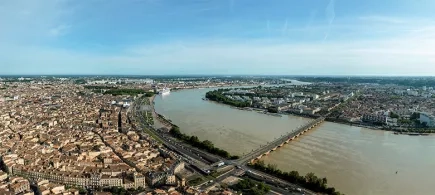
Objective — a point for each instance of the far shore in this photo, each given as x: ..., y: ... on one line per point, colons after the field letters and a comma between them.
x: 329, y: 120
x: 168, y: 124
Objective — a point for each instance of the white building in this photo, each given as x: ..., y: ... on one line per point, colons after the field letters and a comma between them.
x: 428, y: 119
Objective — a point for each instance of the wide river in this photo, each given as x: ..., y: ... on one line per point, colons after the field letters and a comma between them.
x: 354, y: 160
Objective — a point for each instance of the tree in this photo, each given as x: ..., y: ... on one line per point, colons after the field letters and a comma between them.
x: 294, y: 174
x: 248, y: 186
x: 309, y: 181
x: 414, y: 116
x: 310, y: 177
x: 80, y: 81
x: 194, y: 139
x: 272, y: 166
x: 324, y: 181
x: 394, y: 115
x: 208, y: 143
x: 124, y: 91
x: 260, y: 163
x: 234, y: 157
x: 218, y: 96
x: 149, y: 94
x: 424, y: 124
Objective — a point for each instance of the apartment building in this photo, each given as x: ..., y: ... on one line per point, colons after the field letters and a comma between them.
x: 86, y: 180
x: 375, y: 118
x: 16, y: 185
x: 3, y: 176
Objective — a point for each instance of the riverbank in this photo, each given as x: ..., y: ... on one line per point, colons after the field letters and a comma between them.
x: 163, y: 121
x: 411, y: 132
x: 249, y: 109
x: 214, y: 86
x: 396, y: 131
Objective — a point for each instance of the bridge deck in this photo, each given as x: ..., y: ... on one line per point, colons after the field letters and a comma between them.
x: 278, y: 142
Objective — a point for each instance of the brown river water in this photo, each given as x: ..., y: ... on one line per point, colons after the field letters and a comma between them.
x: 355, y: 160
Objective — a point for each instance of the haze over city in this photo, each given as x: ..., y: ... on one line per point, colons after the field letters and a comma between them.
x: 312, y: 37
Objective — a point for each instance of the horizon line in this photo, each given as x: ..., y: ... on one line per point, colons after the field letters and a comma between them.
x: 221, y: 75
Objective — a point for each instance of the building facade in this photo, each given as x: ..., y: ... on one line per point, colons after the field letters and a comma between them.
x: 95, y: 180
x: 374, y: 118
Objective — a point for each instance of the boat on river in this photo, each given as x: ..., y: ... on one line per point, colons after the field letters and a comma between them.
x: 272, y: 114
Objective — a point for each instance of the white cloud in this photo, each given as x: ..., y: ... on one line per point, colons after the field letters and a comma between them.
x: 383, y: 19
x: 59, y: 30
x: 396, y: 56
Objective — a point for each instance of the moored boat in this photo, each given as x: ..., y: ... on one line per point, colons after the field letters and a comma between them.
x: 165, y: 91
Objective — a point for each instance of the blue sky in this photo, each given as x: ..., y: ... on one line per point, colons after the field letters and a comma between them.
x: 309, y: 37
